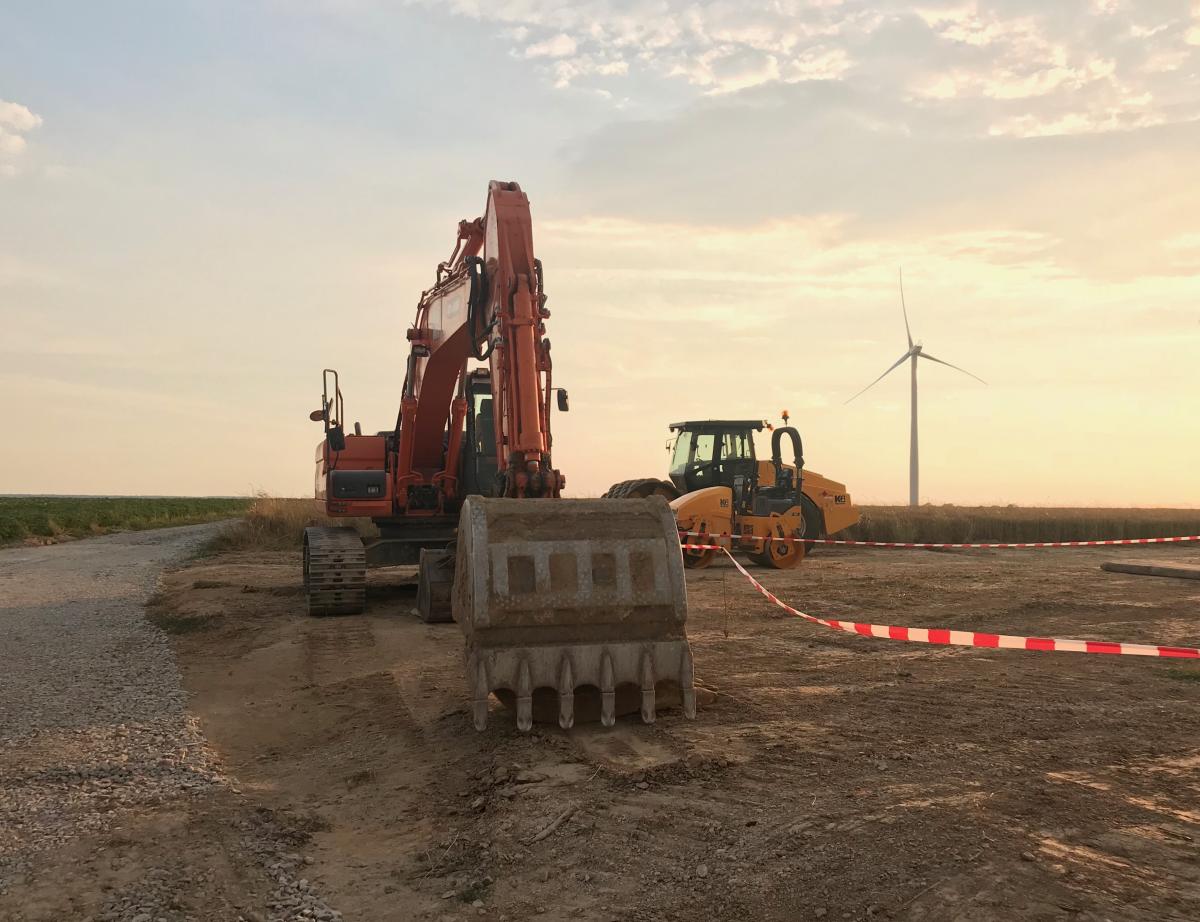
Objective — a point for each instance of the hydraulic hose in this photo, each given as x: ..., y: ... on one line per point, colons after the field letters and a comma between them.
x: 477, y: 301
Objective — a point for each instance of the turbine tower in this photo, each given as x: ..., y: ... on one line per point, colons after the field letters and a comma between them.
x: 915, y: 351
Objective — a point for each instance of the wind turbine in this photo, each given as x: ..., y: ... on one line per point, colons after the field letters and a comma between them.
x: 915, y: 351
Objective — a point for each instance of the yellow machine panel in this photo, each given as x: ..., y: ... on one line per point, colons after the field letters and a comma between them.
x: 718, y: 487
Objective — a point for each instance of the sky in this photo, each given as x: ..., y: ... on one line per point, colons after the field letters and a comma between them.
x: 203, y: 204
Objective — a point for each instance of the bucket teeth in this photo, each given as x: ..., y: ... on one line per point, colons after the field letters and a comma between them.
x: 686, y: 688
x: 619, y: 673
x: 647, y: 688
x: 524, y: 699
x: 571, y: 595
x: 608, y: 691
x: 566, y: 695
x: 479, y: 697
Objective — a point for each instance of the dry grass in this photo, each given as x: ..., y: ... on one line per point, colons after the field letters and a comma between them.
x: 272, y: 523
x: 49, y: 519
x: 1018, y: 523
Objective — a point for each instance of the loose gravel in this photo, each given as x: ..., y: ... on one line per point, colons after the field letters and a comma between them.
x: 94, y: 721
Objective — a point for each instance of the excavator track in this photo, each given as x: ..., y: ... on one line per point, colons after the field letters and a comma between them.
x: 642, y: 488
x: 335, y: 571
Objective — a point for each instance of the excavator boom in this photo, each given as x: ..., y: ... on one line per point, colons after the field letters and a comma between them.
x: 488, y: 307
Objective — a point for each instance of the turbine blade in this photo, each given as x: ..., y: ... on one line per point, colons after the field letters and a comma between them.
x: 900, y: 361
x: 926, y: 355
x: 904, y: 307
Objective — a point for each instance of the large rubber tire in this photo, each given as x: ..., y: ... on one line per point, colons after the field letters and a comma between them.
x: 643, y: 488
x: 663, y: 488
x: 814, y: 523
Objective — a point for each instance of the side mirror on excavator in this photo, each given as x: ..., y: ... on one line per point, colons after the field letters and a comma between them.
x: 563, y: 402
x: 316, y: 415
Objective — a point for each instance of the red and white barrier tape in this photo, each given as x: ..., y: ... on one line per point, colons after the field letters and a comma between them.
x: 972, y: 638
x: 929, y: 546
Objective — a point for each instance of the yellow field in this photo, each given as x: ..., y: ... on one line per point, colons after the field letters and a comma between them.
x: 275, y: 523
x: 1018, y: 523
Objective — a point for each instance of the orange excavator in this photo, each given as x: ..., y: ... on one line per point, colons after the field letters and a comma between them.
x: 552, y: 594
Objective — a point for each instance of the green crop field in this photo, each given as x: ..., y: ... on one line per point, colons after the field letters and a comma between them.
x: 42, y: 519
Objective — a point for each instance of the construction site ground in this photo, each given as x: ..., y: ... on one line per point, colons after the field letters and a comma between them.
x: 828, y: 777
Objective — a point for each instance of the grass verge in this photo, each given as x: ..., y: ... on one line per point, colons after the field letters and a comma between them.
x: 275, y: 524
x: 47, y: 519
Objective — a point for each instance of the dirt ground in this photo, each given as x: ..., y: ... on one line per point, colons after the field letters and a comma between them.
x: 833, y: 776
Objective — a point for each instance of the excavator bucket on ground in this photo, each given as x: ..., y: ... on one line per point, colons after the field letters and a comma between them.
x: 557, y: 596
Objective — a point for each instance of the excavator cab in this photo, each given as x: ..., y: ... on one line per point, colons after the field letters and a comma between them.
x: 479, y: 464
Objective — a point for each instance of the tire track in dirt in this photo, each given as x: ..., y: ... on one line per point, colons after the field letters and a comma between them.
x: 864, y: 778
x: 336, y: 648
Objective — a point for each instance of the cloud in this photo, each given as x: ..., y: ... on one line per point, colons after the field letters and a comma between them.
x: 1076, y: 66
x: 15, y: 122
x: 17, y: 118
x: 1106, y: 201
x: 1192, y: 37
x: 803, y: 312
x: 560, y: 46
x: 18, y: 273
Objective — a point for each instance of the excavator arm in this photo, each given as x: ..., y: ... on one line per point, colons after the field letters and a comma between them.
x: 488, y: 304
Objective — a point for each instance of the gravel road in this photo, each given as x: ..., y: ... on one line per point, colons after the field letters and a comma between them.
x: 95, y: 736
